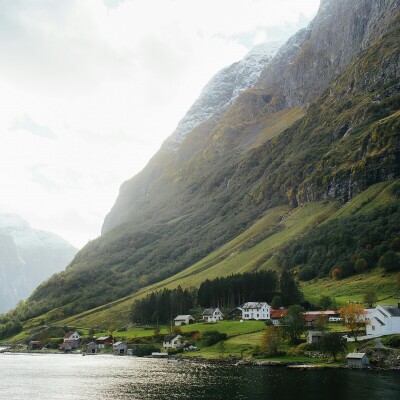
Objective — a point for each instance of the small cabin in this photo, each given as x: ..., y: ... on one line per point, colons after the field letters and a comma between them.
x: 358, y: 360
x: 183, y: 320
x: 35, y: 345
x: 104, y: 341
x: 120, y: 349
x: 314, y: 336
x: 93, y: 348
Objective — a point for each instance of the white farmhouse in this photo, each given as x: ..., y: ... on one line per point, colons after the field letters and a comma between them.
x: 383, y: 320
x: 255, y: 310
x: 183, y: 320
x: 72, y: 339
x: 212, y: 315
x: 172, y: 342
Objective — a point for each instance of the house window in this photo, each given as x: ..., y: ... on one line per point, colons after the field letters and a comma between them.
x: 373, y: 327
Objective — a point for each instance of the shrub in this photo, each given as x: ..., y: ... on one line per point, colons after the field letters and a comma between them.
x: 213, y: 337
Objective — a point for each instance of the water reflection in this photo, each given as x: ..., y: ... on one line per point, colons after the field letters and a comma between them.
x: 118, y: 378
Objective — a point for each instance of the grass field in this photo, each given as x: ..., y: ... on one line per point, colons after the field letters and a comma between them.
x: 353, y: 288
x: 253, y: 250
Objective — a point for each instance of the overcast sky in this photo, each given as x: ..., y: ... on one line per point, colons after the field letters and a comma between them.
x: 89, y: 89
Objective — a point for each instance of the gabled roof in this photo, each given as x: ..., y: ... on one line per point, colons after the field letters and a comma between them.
x: 254, y: 305
x: 315, y: 333
x: 393, y: 311
x: 104, y: 338
x: 356, y: 355
x: 210, y: 311
x: 276, y: 314
x: 170, y: 338
x: 183, y: 317
x: 118, y: 343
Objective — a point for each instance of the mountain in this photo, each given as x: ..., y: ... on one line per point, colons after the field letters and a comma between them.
x: 264, y: 177
x: 223, y: 89
x: 27, y: 257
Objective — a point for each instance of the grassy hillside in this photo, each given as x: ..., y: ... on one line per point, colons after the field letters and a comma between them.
x: 255, y: 249
x: 240, y: 191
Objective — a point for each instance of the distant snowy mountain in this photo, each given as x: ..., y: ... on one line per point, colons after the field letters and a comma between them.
x: 27, y: 257
x: 223, y: 89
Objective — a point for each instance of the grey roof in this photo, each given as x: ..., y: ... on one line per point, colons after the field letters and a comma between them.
x: 119, y: 343
x: 315, y: 333
x: 356, y: 355
x: 182, y: 317
x: 394, y: 311
x: 170, y: 338
x: 254, y: 304
x: 209, y: 311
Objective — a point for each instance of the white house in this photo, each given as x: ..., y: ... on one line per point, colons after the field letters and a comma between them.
x: 383, y: 320
x: 212, y: 315
x: 255, y: 310
x: 183, y: 320
x: 172, y: 342
x: 120, y: 349
x: 72, y: 338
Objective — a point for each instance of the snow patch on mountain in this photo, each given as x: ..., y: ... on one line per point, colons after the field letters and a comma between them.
x: 222, y: 90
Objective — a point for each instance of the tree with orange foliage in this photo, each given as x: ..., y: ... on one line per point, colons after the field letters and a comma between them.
x: 354, y: 317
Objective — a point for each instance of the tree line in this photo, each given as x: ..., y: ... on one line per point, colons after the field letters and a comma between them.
x: 228, y: 292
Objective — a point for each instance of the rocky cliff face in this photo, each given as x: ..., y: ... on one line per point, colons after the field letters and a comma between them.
x: 223, y: 89
x: 216, y: 97
x: 27, y: 257
x: 322, y: 122
x: 306, y: 65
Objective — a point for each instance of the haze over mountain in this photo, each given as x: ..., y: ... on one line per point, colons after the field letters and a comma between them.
x: 28, y: 256
x: 254, y: 172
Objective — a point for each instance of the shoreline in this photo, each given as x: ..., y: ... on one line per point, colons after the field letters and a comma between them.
x: 233, y: 361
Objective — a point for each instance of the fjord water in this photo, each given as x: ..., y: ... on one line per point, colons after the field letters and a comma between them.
x: 100, y: 377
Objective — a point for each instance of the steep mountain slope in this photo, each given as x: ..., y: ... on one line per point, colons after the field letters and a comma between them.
x: 223, y: 89
x: 27, y: 257
x: 324, y: 129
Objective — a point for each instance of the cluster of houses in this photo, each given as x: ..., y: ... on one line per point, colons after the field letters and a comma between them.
x: 253, y: 310
x: 380, y: 321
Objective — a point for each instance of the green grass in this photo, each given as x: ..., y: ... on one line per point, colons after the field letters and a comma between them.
x: 354, y: 287
x: 244, y: 253
x: 375, y: 196
x: 231, y: 328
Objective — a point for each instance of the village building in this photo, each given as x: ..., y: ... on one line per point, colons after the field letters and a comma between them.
x: 65, y: 347
x: 314, y: 336
x: 212, y: 315
x: 183, y: 320
x: 383, y: 320
x: 35, y: 345
x: 172, y: 341
x: 255, y: 310
x: 311, y: 317
x: 93, y: 348
x: 277, y: 315
x: 236, y: 313
x: 72, y: 338
x: 105, y: 341
x: 357, y: 360
x: 120, y: 349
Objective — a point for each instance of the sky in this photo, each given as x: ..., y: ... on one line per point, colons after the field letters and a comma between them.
x: 89, y: 90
